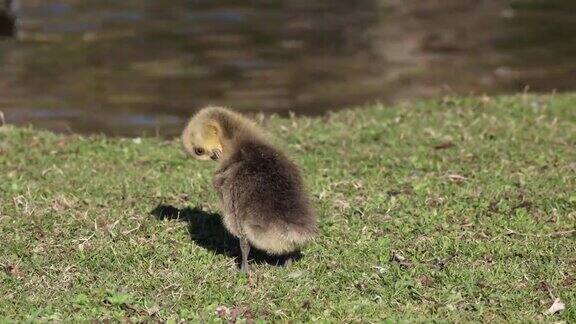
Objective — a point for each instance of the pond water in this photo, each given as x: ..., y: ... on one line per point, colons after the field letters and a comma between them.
x: 141, y: 67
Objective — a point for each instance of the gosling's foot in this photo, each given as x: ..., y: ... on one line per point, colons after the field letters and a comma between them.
x: 244, y: 268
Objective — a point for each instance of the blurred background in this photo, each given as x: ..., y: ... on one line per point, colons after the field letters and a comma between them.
x: 141, y: 67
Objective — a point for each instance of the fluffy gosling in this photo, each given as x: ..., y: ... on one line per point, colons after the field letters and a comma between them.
x: 264, y: 201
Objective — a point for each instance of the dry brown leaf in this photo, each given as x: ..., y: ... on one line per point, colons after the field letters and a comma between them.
x: 231, y: 315
x: 15, y: 271
x: 456, y: 177
x: 543, y: 286
x: 556, y: 307
x: 443, y: 146
x: 563, y: 233
x: 486, y: 99
x: 510, y: 232
x: 152, y: 311
x: 64, y: 141
x: 401, y: 260
x: 426, y: 281
x: 358, y: 184
x: 222, y: 311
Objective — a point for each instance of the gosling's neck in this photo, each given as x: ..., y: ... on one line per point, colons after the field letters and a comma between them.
x: 233, y: 130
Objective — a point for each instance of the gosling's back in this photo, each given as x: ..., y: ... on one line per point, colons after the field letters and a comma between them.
x: 269, y: 196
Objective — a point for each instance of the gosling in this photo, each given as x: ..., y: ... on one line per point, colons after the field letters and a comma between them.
x: 263, y: 197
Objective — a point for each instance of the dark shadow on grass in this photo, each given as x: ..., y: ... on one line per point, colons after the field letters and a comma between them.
x: 206, y: 230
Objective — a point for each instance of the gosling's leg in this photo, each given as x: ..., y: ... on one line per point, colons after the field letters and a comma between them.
x: 288, y: 261
x: 290, y: 258
x: 245, y: 249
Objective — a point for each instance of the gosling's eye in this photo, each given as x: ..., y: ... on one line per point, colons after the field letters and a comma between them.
x: 199, y: 151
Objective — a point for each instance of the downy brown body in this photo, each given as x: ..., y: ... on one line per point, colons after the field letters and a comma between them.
x: 262, y: 192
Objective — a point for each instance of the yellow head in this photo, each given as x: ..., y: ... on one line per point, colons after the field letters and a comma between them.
x: 201, y: 138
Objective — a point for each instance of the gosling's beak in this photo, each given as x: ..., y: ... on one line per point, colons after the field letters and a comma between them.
x: 216, y: 154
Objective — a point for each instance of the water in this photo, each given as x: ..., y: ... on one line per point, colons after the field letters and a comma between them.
x: 141, y: 67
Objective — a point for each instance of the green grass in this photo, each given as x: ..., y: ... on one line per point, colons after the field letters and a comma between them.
x: 456, y: 210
